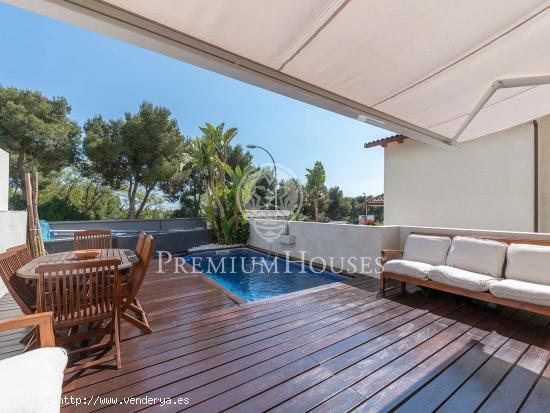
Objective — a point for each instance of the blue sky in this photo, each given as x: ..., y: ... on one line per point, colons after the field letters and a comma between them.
x: 100, y: 75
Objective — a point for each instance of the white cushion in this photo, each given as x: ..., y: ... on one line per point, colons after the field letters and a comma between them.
x: 426, y: 248
x: 457, y: 277
x: 412, y: 268
x: 32, y: 381
x: 477, y: 255
x: 529, y: 263
x: 522, y: 291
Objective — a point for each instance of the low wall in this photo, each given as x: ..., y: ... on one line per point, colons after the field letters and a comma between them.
x: 175, y: 241
x: 406, y: 230
x: 13, y: 228
x: 318, y: 241
x: 131, y: 225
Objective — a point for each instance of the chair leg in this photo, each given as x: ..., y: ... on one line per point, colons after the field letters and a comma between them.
x: 382, y: 283
x: 404, y: 288
x: 30, y: 337
x: 116, y: 323
x: 142, y: 323
x: 136, y: 323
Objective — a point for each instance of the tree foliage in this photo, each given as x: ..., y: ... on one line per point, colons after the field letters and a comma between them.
x: 129, y: 167
x: 339, y: 208
x: 37, y: 132
x: 315, y: 188
x: 227, y: 188
x: 137, y: 153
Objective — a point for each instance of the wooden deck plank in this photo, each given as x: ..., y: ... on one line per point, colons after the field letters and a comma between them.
x: 433, y: 395
x: 10, y: 344
x: 381, y: 352
x: 512, y: 391
x: 332, y: 348
x: 481, y: 384
x: 202, y: 360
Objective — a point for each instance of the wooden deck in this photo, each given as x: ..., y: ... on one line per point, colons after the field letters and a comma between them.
x: 335, y: 348
x: 10, y: 341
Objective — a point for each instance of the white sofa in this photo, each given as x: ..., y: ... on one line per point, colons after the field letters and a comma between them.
x: 502, y: 271
x: 32, y: 382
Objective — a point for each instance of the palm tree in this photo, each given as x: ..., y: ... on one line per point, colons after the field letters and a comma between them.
x: 223, y: 196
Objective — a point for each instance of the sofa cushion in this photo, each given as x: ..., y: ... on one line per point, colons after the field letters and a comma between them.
x: 425, y: 248
x: 477, y: 255
x: 522, y: 291
x: 412, y: 268
x: 457, y: 277
x: 529, y: 263
x: 31, y: 382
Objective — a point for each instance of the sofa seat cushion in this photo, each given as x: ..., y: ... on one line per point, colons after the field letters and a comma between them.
x: 457, y: 277
x: 411, y: 268
x: 32, y: 381
x: 426, y: 248
x: 477, y: 255
x: 522, y: 291
x: 530, y: 263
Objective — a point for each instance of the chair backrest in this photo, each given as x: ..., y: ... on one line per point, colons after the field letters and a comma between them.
x: 23, y: 294
x: 23, y: 255
x: 93, y: 239
x: 140, y: 242
x: 79, y: 290
x: 137, y: 275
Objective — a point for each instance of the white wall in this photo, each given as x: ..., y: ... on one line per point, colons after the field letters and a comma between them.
x: 486, y: 183
x: 319, y: 241
x: 4, y: 179
x: 322, y: 241
x: 544, y: 174
x: 13, y: 225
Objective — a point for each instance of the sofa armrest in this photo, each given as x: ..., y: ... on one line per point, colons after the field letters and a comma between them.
x: 44, y: 322
x: 387, y: 253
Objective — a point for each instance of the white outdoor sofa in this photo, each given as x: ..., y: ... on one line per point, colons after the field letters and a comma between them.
x: 514, y: 273
x: 32, y: 381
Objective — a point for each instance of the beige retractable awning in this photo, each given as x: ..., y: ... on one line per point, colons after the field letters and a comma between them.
x: 417, y: 67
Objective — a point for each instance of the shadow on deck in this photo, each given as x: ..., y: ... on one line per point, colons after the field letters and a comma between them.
x: 339, y: 347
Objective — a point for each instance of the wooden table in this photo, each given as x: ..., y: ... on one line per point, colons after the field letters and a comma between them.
x: 127, y: 257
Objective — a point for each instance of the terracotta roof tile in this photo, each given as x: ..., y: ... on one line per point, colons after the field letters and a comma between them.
x: 384, y: 142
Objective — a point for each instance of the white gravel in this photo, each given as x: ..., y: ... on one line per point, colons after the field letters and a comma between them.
x: 206, y: 247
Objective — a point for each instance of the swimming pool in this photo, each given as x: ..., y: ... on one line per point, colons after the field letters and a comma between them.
x: 253, y: 275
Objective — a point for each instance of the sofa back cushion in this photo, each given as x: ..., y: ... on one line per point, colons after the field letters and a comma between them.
x: 529, y: 263
x: 426, y: 248
x: 477, y: 255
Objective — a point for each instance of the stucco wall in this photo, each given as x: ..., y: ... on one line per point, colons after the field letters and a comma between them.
x: 4, y: 179
x: 318, y: 241
x: 544, y: 174
x: 13, y: 226
x: 486, y: 183
x: 345, y: 243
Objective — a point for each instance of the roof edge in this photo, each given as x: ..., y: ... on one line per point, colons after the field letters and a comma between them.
x: 384, y: 141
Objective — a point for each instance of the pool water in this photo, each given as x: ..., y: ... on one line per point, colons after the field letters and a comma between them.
x: 253, y: 275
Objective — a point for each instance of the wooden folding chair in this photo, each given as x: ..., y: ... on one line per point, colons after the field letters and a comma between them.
x: 130, y: 289
x: 140, y: 242
x: 23, y: 254
x: 24, y: 294
x: 79, y: 294
x: 93, y: 239
x: 41, y: 321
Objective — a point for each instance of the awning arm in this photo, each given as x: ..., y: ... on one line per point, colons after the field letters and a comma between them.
x: 500, y: 84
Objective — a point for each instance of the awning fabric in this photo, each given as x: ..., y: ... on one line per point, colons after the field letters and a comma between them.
x: 426, y: 62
